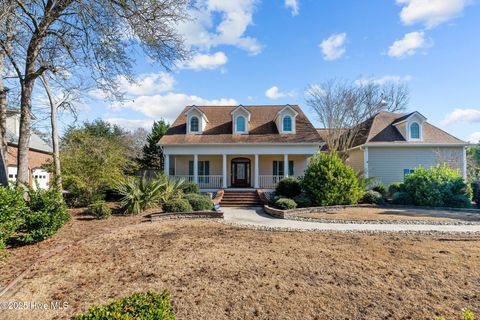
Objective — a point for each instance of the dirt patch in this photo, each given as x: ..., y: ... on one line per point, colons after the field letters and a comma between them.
x: 220, y: 272
x: 78, y: 228
x: 369, y: 214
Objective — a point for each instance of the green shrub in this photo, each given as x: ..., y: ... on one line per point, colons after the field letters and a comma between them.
x: 459, y: 201
x: 285, y: 204
x: 396, y: 187
x: 476, y: 192
x: 372, y: 196
x: 288, y: 187
x: 79, y: 195
x: 402, y: 198
x: 99, y: 210
x: 436, y: 186
x: 328, y: 181
x: 177, y: 205
x: 12, y: 211
x: 47, y: 214
x: 303, y: 201
x: 145, y: 306
x: 375, y: 185
x: 190, y: 187
x: 199, y: 202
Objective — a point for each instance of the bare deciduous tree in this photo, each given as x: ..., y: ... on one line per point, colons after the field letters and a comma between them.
x: 341, y: 106
x: 97, y: 35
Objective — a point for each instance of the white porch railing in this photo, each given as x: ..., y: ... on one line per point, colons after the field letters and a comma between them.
x: 204, y: 182
x: 269, y: 182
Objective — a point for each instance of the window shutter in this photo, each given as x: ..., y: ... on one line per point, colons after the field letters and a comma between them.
x: 290, y: 168
x: 275, y: 166
x: 190, y: 168
x: 281, y: 166
x: 207, y: 168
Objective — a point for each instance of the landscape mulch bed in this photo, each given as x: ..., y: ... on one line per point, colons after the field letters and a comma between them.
x: 216, y: 271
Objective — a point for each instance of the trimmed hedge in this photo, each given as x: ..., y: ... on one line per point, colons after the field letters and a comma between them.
x: 437, y: 186
x: 177, y: 205
x: 396, y: 187
x: 285, y: 204
x: 288, y: 187
x: 476, y: 192
x: 328, y: 181
x: 402, y: 198
x: 99, y: 210
x: 303, y: 201
x: 199, y: 202
x: 372, y: 196
x: 145, y: 306
x: 12, y: 212
x: 47, y: 214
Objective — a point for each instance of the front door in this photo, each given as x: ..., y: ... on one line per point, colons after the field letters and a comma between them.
x: 240, y: 173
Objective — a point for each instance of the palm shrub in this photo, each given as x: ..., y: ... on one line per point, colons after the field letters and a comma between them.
x: 199, y: 202
x: 288, y: 187
x: 99, y: 210
x: 328, y: 181
x: 145, y: 306
x: 172, y: 190
x: 47, y: 213
x: 437, y: 186
x: 12, y: 212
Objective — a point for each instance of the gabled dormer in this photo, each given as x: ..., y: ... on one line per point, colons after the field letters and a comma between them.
x: 411, y: 126
x: 240, y: 120
x: 196, y: 120
x: 286, y: 120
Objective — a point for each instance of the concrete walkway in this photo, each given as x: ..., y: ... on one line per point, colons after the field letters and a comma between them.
x: 256, y: 217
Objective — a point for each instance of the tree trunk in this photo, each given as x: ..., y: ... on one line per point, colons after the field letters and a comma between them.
x: 23, y: 171
x: 55, y: 144
x: 3, y: 126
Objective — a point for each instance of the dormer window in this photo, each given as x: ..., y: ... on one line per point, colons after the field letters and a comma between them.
x: 415, y: 131
x: 287, y: 124
x: 194, y: 127
x: 240, y: 124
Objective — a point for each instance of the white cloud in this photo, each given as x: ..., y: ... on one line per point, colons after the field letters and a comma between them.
x: 431, y: 12
x: 205, y: 61
x: 274, y: 93
x: 409, y: 44
x: 147, y: 84
x: 169, y: 105
x: 236, y: 16
x: 383, y: 80
x: 462, y: 116
x: 131, y: 124
x: 333, y: 48
x: 474, y: 137
x: 293, y: 6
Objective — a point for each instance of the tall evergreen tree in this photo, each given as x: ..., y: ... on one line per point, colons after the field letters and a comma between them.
x: 152, y: 153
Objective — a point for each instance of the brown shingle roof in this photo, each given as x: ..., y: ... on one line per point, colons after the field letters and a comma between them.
x: 380, y: 129
x: 262, y: 128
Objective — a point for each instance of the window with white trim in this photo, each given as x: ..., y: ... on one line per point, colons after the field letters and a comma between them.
x: 194, y: 124
x: 240, y: 124
x: 287, y: 124
x: 414, y: 131
x: 406, y: 172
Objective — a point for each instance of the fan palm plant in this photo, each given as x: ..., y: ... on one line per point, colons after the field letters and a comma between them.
x: 141, y: 193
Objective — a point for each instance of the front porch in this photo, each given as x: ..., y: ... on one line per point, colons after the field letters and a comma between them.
x: 236, y: 171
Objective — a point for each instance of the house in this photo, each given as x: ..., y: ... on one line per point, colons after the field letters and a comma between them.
x: 39, y: 152
x: 390, y: 145
x: 223, y: 147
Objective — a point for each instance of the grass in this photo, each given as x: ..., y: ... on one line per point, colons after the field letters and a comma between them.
x: 220, y: 272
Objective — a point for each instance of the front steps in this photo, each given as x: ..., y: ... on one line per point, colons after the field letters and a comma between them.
x: 241, y: 199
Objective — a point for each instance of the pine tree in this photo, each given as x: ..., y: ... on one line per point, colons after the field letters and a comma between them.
x: 152, y: 153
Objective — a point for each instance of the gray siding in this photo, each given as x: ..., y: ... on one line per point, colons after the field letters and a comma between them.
x: 388, y: 163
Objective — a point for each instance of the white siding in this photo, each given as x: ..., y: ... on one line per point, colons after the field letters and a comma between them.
x: 355, y: 160
x: 387, y: 163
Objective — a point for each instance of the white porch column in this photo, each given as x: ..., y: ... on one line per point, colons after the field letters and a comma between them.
x: 224, y: 172
x: 166, y: 165
x: 257, y: 165
x: 195, y: 168
x: 285, y: 165
x: 365, y: 163
x: 464, y: 167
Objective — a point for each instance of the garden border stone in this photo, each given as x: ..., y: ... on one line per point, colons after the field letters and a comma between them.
x: 214, y: 214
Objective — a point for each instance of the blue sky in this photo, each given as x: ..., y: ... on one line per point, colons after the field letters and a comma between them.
x: 268, y: 52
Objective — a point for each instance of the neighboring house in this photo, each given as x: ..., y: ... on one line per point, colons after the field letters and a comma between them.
x: 239, y: 146
x: 389, y: 146
x: 39, y: 152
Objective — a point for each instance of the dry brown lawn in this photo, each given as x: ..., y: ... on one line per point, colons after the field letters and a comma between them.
x: 216, y: 271
x: 359, y: 213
